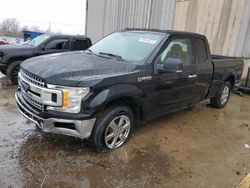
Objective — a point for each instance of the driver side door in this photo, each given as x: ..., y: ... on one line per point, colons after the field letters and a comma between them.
x: 56, y: 45
x: 176, y: 90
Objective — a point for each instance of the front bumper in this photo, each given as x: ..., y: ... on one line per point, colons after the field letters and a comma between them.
x: 77, y: 128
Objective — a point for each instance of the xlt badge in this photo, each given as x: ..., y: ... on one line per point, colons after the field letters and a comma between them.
x: 140, y: 79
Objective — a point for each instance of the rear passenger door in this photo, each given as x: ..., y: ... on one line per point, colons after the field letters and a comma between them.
x: 204, y: 67
x: 79, y: 44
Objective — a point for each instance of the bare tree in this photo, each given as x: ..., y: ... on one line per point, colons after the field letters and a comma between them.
x: 25, y: 28
x: 9, y: 27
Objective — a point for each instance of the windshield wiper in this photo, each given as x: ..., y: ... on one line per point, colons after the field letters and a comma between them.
x: 112, y: 55
x: 90, y: 51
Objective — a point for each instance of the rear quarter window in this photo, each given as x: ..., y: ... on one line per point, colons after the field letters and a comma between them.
x: 201, y: 51
x: 80, y: 44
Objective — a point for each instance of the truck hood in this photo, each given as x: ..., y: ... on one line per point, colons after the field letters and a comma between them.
x: 75, y: 68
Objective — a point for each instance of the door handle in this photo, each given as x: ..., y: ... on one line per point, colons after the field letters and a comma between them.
x: 192, y: 75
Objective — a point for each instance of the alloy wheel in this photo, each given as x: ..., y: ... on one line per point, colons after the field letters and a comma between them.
x: 117, y: 131
x: 225, y: 95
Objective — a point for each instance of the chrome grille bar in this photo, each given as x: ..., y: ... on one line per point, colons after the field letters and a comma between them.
x: 35, y: 92
x: 32, y: 78
x: 28, y: 97
x: 34, y: 103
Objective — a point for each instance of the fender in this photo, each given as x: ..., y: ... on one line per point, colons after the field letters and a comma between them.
x: 18, y: 56
x: 229, y: 74
x: 217, y: 83
x: 112, y: 93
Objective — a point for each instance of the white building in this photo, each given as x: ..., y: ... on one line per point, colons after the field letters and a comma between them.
x: 226, y: 23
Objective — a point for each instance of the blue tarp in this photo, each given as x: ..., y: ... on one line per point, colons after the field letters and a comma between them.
x: 31, y: 34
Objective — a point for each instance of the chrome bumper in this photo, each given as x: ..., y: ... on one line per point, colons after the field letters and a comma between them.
x: 77, y: 128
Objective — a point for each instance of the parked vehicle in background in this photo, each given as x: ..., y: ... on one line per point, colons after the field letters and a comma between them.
x: 11, y: 56
x: 3, y: 42
x: 125, y: 79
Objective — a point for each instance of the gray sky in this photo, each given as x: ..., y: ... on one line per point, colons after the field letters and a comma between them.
x: 65, y: 16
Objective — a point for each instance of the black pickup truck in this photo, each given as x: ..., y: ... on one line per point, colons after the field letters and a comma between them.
x: 11, y: 56
x: 125, y: 79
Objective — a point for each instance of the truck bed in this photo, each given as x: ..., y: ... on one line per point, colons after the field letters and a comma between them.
x: 222, y: 63
x: 214, y: 56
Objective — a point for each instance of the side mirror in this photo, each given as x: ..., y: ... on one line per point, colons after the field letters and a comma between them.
x: 43, y: 47
x: 171, y: 65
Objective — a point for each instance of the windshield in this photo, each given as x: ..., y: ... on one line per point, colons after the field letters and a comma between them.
x: 38, y: 40
x: 131, y: 45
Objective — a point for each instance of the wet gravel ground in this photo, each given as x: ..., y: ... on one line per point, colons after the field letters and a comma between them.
x: 202, y: 147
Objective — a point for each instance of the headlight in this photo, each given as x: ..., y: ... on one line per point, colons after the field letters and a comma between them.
x: 71, y: 99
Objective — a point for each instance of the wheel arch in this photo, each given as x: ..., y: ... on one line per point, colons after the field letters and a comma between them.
x: 123, y: 94
x: 131, y: 103
x: 13, y: 59
x: 231, y: 79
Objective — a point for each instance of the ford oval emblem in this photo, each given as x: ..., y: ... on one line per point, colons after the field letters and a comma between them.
x: 25, y: 86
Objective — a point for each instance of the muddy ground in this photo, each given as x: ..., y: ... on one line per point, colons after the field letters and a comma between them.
x: 202, y: 147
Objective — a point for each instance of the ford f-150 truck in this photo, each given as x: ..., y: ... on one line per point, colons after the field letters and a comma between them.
x: 11, y: 56
x: 127, y: 78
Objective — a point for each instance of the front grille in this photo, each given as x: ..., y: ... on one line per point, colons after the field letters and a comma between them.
x: 26, y: 78
x: 32, y: 102
x: 32, y: 78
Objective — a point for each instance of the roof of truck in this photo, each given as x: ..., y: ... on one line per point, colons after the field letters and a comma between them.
x: 163, y: 31
x: 63, y: 35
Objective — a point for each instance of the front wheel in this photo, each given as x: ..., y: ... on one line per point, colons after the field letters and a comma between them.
x: 224, y: 94
x: 12, y: 71
x: 112, y: 129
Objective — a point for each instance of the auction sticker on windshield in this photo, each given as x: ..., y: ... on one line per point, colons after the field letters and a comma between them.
x: 149, y: 41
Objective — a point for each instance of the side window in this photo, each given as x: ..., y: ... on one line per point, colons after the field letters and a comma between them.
x: 201, y: 51
x: 180, y: 49
x: 58, y: 44
x: 80, y: 44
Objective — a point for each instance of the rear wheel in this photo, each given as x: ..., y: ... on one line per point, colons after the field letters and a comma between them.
x: 13, y: 70
x: 112, y: 129
x: 224, y: 94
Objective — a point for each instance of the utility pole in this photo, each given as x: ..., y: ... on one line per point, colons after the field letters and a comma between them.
x: 86, y: 18
x: 49, y: 26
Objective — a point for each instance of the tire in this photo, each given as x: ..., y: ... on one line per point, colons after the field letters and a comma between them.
x: 108, y: 133
x: 12, y: 71
x: 3, y: 71
x: 224, y: 94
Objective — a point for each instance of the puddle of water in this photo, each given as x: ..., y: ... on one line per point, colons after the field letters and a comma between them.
x: 69, y: 162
